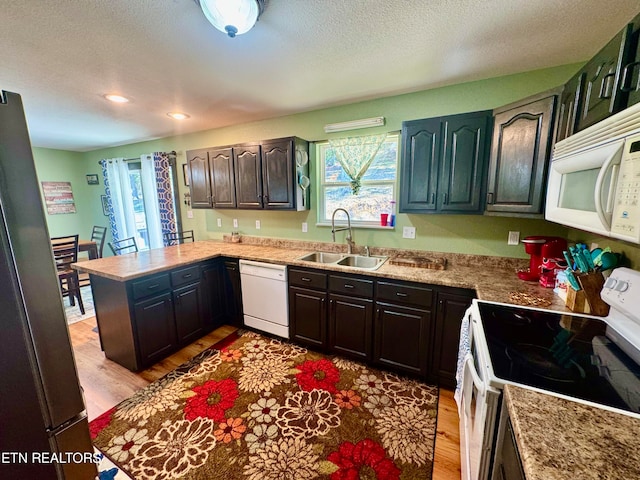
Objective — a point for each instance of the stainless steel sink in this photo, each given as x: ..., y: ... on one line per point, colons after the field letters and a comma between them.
x: 361, y: 262
x: 321, y: 257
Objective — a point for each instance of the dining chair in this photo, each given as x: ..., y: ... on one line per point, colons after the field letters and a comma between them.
x: 174, y: 238
x: 98, y: 235
x: 121, y: 247
x: 65, y: 252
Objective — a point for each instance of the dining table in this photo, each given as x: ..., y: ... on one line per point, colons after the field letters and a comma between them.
x: 89, y: 246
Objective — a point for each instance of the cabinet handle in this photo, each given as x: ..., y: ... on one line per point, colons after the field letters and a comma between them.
x: 151, y: 287
x: 445, y: 198
x: 489, y: 198
x: 305, y: 279
x: 604, y: 86
x: 187, y: 275
x: 400, y: 294
x: 630, y: 67
x: 346, y: 285
x: 433, y: 198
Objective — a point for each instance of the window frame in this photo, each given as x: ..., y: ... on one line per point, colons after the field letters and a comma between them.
x: 322, y: 217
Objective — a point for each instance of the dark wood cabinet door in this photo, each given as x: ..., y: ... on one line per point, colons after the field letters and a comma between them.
x: 464, y: 159
x: 155, y: 328
x: 570, y: 106
x: 233, y: 292
x: 520, y: 152
x: 603, y: 95
x: 419, y: 165
x: 223, y: 185
x: 248, y: 176
x: 278, y: 183
x: 199, y: 184
x: 401, y: 338
x: 350, y: 321
x: 190, y: 323
x: 450, y: 308
x: 308, y: 317
x: 213, y: 294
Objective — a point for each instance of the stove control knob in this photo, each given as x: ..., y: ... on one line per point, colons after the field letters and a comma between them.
x: 622, y: 286
x: 610, y: 283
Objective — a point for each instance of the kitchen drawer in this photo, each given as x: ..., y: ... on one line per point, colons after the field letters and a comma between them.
x: 150, y: 286
x: 351, y: 286
x: 406, y: 294
x: 307, y: 279
x: 185, y: 275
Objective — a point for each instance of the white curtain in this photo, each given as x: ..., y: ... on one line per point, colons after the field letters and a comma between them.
x: 355, y: 154
x: 150, y: 197
x: 121, y: 196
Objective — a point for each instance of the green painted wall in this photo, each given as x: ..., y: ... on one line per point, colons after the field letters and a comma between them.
x: 630, y: 251
x: 64, y: 166
x: 446, y: 233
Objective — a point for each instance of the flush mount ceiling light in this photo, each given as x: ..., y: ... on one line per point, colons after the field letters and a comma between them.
x: 116, y: 98
x: 233, y: 17
x: 178, y: 115
x: 354, y: 124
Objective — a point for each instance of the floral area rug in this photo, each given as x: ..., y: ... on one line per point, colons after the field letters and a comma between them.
x: 261, y: 409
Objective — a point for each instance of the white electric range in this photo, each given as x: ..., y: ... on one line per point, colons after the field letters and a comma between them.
x: 593, y: 360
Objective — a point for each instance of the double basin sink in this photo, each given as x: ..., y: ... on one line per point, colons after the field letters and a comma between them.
x: 361, y: 262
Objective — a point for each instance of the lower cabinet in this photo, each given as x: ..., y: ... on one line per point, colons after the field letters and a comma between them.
x: 450, y: 307
x: 406, y: 327
x: 233, y: 292
x: 214, y: 296
x: 155, y: 329
x: 190, y: 321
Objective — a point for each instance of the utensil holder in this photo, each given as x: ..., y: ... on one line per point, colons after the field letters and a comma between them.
x: 591, y: 284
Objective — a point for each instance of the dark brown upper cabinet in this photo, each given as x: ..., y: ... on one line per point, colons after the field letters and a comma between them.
x: 631, y: 70
x: 603, y: 93
x: 443, y: 163
x: 520, y: 152
x: 570, y: 106
x: 260, y: 175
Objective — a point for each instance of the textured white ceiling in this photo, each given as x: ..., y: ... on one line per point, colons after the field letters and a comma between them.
x: 63, y: 55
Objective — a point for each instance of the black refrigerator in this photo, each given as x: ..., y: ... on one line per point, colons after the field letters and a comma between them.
x: 44, y: 432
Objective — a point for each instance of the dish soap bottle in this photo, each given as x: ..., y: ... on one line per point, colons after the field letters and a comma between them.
x: 391, y: 219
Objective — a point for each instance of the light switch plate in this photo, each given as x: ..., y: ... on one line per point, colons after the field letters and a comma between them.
x: 257, y: 224
x: 305, y: 227
x: 235, y: 223
x: 189, y: 213
x: 219, y: 222
x: 408, y: 232
x: 514, y: 238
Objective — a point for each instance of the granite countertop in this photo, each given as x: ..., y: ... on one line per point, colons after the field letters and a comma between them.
x: 493, y: 278
x: 560, y: 439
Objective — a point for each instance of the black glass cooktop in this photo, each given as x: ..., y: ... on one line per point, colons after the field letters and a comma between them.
x: 565, y: 354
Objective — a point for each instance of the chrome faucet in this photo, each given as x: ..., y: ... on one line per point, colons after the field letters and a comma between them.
x: 349, y: 237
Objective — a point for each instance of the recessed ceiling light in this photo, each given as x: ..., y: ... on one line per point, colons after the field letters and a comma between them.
x: 178, y: 115
x: 116, y: 98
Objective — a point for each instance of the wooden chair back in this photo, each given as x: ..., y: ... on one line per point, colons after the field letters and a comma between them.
x: 98, y: 235
x: 174, y: 238
x: 65, y: 252
x: 122, y: 247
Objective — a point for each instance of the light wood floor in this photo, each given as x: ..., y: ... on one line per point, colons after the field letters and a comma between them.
x: 106, y: 384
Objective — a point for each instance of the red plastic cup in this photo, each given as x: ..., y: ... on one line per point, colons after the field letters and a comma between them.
x: 383, y: 219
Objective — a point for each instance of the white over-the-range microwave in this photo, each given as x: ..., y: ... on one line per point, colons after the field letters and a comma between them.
x: 594, y: 178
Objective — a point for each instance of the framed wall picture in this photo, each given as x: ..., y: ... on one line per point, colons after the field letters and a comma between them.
x: 92, y: 179
x: 105, y: 205
x: 58, y: 197
x: 185, y: 172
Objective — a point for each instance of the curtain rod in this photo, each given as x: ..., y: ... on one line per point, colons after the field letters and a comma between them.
x: 171, y: 154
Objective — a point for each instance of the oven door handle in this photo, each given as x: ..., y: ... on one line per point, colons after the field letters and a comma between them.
x: 471, y: 368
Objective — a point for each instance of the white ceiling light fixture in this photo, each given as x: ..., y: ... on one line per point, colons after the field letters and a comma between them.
x: 233, y: 17
x: 354, y: 124
x: 116, y: 98
x: 178, y: 115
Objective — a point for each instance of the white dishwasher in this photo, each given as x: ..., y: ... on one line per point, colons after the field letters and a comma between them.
x: 264, y: 297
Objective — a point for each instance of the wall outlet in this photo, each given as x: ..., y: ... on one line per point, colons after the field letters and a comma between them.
x: 219, y: 222
x: 514, y: 238
x: 189, y: 213
x: 408, y: 232
x: 305, y: 227
x: 235, y: 223
x: 257, y: 224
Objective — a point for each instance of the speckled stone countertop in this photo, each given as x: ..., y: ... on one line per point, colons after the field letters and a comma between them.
x: 563, y: 440
x: 493, y: 278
